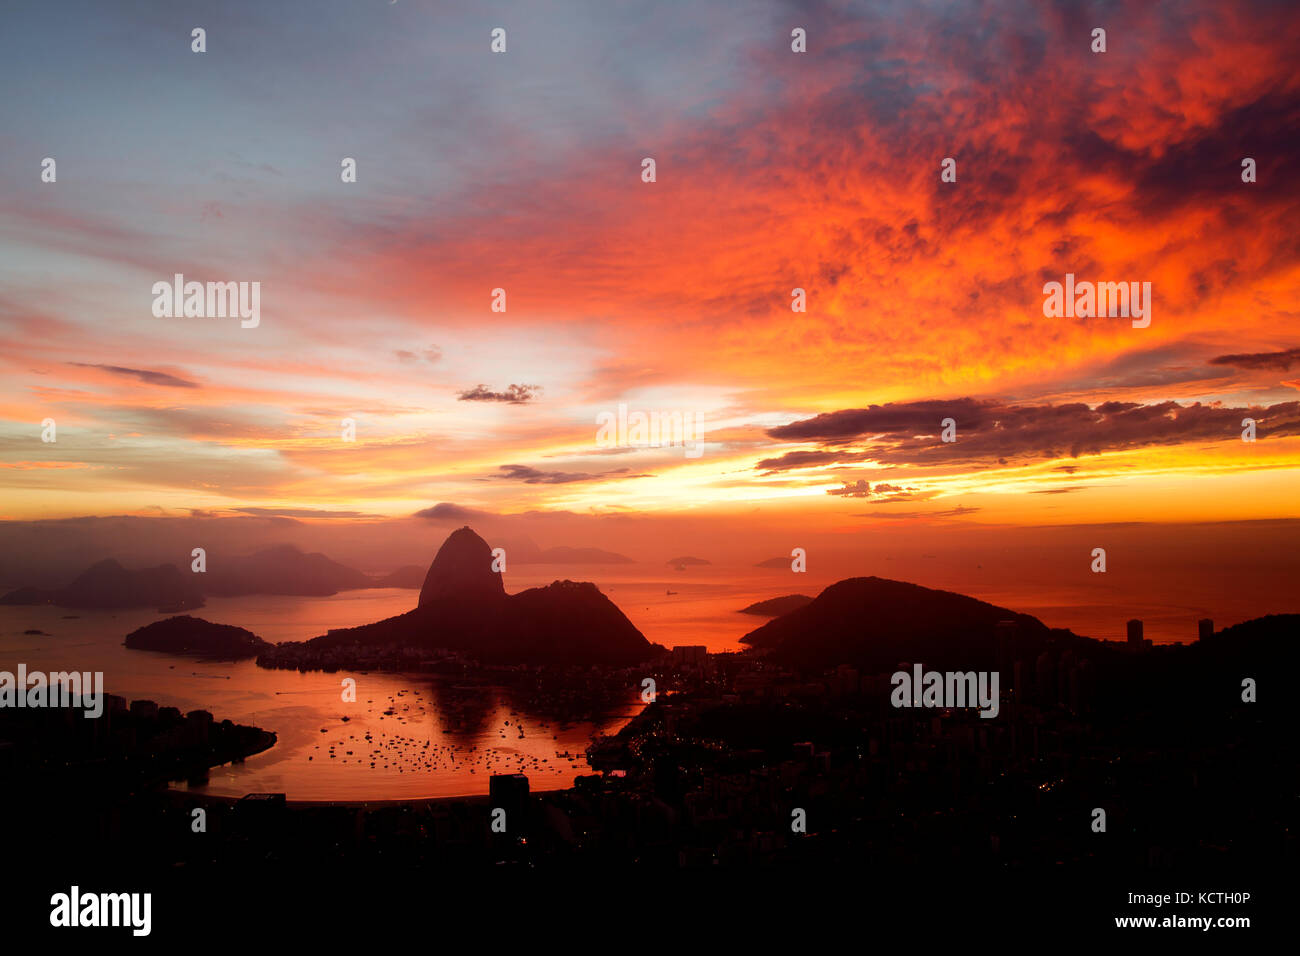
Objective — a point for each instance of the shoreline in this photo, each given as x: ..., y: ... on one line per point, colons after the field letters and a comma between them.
x: 216, y: 799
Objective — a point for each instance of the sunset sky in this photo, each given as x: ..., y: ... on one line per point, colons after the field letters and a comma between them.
x: 775, y: 170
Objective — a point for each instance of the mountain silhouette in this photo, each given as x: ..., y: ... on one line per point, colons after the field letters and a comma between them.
x: 571, y: 621
x: 875, y: 623
x: 463, y: 606
x: 462, y: 569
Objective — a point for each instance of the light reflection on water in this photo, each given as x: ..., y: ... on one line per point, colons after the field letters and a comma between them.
x: 442, y: 738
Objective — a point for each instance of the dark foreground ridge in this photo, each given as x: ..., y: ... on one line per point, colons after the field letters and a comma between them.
x: 1196, y: 783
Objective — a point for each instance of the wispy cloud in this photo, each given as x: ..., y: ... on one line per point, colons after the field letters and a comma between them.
x: 147, y: 376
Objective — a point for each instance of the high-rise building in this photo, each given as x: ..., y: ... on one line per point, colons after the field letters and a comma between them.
x: 1135, y: 633
x: 690, y: 654
x: 1204, y: 628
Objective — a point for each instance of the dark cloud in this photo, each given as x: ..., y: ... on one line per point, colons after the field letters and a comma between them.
x: 1159, y: 367
x: 1274, y: 361
x: 910, y: 418
x: 514, y: 394
x: 1207, y: 167
x: 147, y: 376
x: 908, y: 433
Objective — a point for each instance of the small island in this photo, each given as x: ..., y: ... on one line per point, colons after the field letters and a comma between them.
x: 193, y: 635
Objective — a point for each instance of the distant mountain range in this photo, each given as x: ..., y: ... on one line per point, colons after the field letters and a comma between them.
x: 407, y: 576
x: 109, y: 585
x: 463, y: 606
x: 282, y: 569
